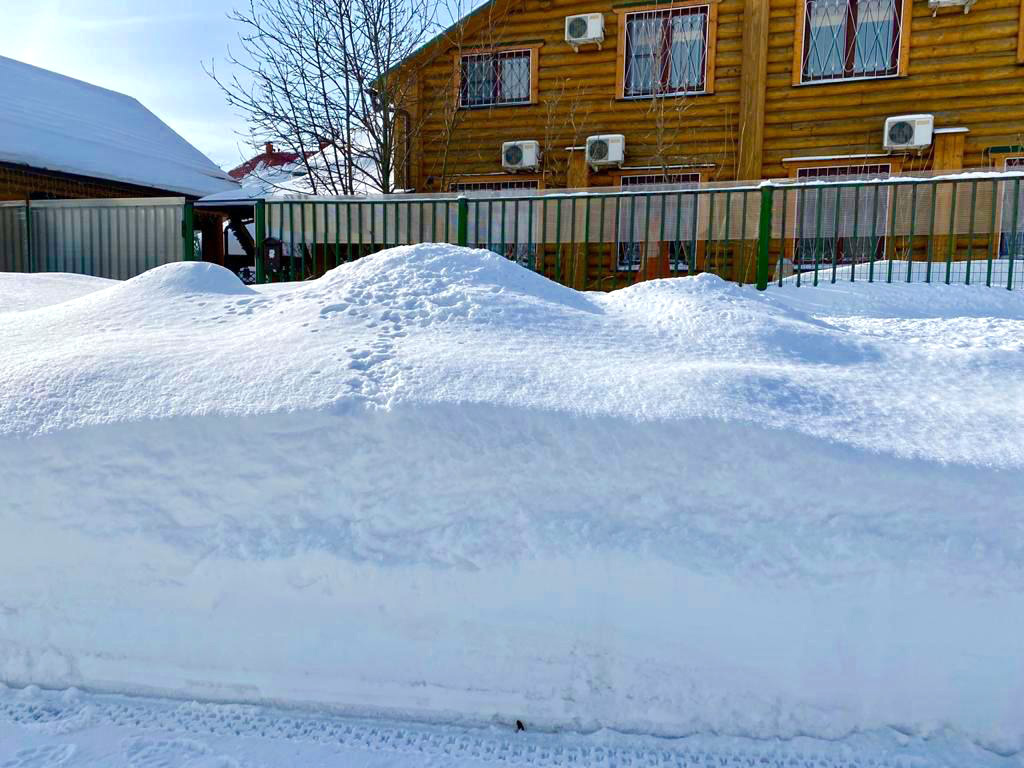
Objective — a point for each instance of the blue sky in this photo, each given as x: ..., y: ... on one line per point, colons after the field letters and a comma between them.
x: 150, y: 49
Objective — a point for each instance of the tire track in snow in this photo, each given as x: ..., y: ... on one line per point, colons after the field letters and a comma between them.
x: 189, y: 724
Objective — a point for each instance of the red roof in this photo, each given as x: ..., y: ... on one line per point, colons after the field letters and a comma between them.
x: 269, y: 158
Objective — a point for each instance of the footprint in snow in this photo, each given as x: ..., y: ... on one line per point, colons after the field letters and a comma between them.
x: 171, y: 753
x: 50, y: 756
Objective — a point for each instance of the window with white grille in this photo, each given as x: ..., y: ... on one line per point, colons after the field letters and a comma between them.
x: 635, y: 223
x: 821, y: 237
x: 509, y: 221
x: 494, y: 186
x: 846, y: 39
x: 494, y: 79
x: 666, y: 51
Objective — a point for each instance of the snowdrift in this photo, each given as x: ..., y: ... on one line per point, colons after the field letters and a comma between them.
x: 436, y: 485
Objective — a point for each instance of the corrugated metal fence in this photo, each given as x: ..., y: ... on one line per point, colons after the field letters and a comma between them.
x: 116, y: 238
x: 13, y: 238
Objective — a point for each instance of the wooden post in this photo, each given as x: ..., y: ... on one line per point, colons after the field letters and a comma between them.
x: 753, y: 85
x: 578, y: 173
x: 577, y: 177
x: 948, y: 156
x: 949, y: 149
x: 212, y: 227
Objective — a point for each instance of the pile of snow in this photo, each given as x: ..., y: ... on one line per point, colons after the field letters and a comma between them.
x: 437, y: 485
x: 19, y: 291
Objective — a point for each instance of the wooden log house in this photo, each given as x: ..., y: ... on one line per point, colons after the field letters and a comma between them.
x: 715, y: 90
x: 724, y: 89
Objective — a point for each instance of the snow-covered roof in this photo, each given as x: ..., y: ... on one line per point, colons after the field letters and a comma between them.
x: 61, y: 124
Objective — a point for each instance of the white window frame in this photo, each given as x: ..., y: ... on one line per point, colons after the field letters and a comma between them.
x: 649, y: 179
x: 524, y: 254
x: 881, y: 232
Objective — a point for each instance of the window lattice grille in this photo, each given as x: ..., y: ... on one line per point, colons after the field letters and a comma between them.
x: 666, y: 51
x: 1011, y: 241
x: 490, y: 79
x: 493, y: 186
x: 523, y: 253
x: 631, y: 251
x: 851, y: 38
x: 816, y: 228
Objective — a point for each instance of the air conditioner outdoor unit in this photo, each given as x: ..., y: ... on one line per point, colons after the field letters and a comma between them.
x: 909, y: 131
x: 520, y: 155
x: 607, y: 149
x: 584, y: 28
x: 936, y: 4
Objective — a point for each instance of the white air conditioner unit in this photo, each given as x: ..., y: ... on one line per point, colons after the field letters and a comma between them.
x: 935, y: 5
x: 908, y: 131
x: 607, y: 149
x: 584, y: 28
x: 520, y: 155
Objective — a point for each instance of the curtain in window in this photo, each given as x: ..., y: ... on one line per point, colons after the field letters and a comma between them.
x: 826, y: 42
x: 666, y: 51
x: 851, y: 38
x: 875, y: 47
x: 687, y: 52
x: 514, y: 77
x: 643, y: 31
x: 478, y: 80
x: 501, y: 78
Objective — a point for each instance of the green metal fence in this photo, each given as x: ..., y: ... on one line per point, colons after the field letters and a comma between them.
x: 951, y: 229
x: 593, y: 239
x: 965, y: 228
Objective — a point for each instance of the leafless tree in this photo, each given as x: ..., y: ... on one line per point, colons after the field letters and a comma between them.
x: 444, y: 107
x: 322, y: 79
x: 566, y: 115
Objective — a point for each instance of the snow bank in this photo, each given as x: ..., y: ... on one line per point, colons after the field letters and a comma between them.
x: 19, y: 291
x: 435, y: 484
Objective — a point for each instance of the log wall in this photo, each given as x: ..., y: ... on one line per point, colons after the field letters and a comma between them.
x: 965, y: 69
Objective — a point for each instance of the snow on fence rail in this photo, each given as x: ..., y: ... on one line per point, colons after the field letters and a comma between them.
x: 964, y: 228
x: 116, y: 238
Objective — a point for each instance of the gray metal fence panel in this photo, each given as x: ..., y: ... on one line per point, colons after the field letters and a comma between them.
x: 116, y: 238
x: 13, y: 238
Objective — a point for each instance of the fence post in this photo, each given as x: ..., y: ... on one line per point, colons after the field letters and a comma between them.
x: 463, y: 221
x: 260, y: 225
x: 28, y: 237
x: 764, y: 236
x: 188, y: 238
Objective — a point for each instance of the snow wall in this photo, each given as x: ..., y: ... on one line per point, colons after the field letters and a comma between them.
x: 435, y: 486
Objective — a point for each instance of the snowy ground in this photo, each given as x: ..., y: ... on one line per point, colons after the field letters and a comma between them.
x: 435, y: 487
x: 73, y: 729
x: 20, y: 292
